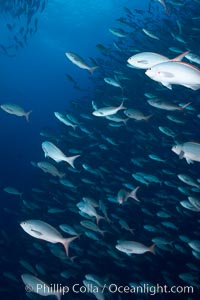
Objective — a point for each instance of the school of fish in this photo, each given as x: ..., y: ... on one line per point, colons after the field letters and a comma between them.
x: 118, y: 192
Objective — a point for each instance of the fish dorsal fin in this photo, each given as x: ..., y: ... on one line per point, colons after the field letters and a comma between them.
x: 186, y: 64
x: 195, y: 143
x: 180, y: 56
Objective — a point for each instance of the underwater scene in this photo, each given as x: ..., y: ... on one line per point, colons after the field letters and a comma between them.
x: 100, y: 149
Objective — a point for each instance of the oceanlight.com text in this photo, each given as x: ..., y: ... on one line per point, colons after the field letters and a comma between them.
x: 151, y: 289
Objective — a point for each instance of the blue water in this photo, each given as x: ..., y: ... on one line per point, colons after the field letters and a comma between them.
x: 33, y: 75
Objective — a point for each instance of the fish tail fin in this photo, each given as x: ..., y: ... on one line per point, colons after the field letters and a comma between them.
x: 152, y: 249
x: 91, y: 70
x: 122, y: 105
x: 180, y: 56
x: 73, y: 258
x: 102, y: 232
x: 62, y: 175
x: 125, y: 121
x: 70, y: 160
x: 133, y: 194
x: 75, y: 126
x: 185, y: 105
x: 148, y: 117
x: 98, y: 218
x: 27, y: 115
x: 132, y: 231
x: 66, y: 242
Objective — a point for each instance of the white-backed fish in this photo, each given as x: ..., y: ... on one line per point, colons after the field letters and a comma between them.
x: 113, y: 81
x: 47, y: 167
x: 107, y: 111
x: 64, y: 120
x: 136, y: 114
x: 89, y: 210
x: 166, y: 105
x: 80, y: 62
x: 146, y: 60
x: 162, y: 2
x: 43, y: 231
x: 130, y: 247
x: 123, y: 195
x: 50, y: 150
x: 118, y: 32
x: 35, y: 285
x: 188, y: 180
x: 150, y: 34
x: 13, y: 191
x: 189, y: 150
x: 171, y: 72
x: 16, y: 110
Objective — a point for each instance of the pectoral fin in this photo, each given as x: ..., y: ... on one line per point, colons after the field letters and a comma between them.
x: 36, y: 232
x: 167, y: 85
x: 181, y: 155
x: 189, y: 161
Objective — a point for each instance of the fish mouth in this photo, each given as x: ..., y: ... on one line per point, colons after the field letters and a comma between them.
x: 22, y: 223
